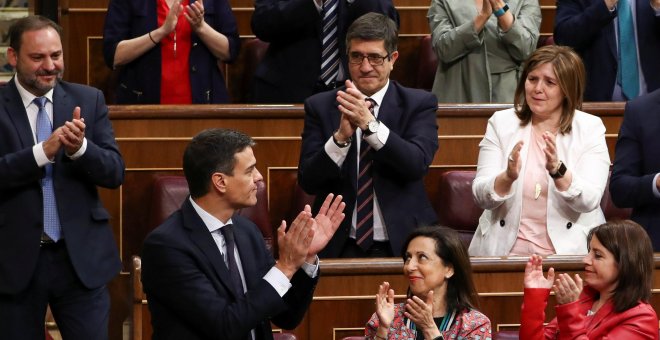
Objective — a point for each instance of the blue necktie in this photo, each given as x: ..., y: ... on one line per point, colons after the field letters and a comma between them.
x: 628, y: 75
x: 330, y: 49
x: 364, y: 224
x: 52, y: 226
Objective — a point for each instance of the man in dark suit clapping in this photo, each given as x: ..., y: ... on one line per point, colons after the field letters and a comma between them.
x: 372, y: 142
x: 56, y: 147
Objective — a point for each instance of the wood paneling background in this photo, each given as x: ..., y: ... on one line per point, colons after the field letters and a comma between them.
x: 83, y: 31
x: 152, y: 140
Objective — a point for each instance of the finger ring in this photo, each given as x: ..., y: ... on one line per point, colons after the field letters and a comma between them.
x: 510, y: 158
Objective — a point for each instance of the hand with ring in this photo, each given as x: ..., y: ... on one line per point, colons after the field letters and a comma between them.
x: 194, y: 13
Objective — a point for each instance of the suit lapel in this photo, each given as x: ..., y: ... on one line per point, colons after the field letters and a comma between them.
x: 14, y: 109
x: 390, y: 108
x: 243, y: 244
x: 62, y: 107
x: 200, y: 236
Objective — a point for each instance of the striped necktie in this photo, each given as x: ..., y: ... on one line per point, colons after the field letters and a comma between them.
x: 330, y: 49
x: 364, y: 228
x: 52, y: 226
x: 628, y: 74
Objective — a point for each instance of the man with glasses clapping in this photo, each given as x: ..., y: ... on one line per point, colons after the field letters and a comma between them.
x: 371, y: 141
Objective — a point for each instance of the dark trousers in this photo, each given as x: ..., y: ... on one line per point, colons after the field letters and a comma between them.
x: 377, y: 249
x: 80, y: 313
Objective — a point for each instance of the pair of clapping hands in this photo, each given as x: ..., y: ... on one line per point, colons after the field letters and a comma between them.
x: 566, y: 288
x: 308, y: 235
x: 417, y: 310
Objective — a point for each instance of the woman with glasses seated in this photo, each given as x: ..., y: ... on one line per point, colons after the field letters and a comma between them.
x: 441, y: 294
x: 480, y: 46
x: 611, y: 302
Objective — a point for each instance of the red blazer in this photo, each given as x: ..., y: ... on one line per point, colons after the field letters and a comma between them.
x: 638, y: 322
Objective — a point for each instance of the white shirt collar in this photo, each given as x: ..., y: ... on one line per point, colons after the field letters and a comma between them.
x: 212, y: 224
x: 27, y: 96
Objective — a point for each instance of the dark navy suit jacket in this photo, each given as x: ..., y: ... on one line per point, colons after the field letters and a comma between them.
x: 139, y: 80
x: 89, y: 238
x: 399, y: 167
x: 189, y: 287
x: 292, y: 64
x: 588, y: 27
x: 637, y: 161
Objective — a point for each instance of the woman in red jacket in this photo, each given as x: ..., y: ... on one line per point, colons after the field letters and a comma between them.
x: 611, y: 302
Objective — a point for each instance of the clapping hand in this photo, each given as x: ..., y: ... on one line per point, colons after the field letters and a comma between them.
x: 385, y: 306
x: 566, y: 289
x: 534, y: 274
x: 327, y: 221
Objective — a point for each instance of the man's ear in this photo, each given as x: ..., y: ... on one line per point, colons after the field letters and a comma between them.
x: 219, y: 182
x: 12, y: 57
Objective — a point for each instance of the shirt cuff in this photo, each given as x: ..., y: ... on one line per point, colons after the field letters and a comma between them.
x: 656, y: 193
x: 377, y: 140
x: 80, y: 151
x: 278, y: 280
x: 40, y: 155
x: 311, y: 269
x: 337, y: 154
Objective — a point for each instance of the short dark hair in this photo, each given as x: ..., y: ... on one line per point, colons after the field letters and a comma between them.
x: 570, y: 73
x: 29, y: 23
x: 633, y: 252
x: 211, y: 151
x: 461, y: 293
x: 374, y: 26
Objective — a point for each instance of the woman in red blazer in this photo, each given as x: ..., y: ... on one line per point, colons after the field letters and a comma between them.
x: 611, y: 302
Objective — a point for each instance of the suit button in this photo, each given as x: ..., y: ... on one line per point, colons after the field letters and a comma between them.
x: 502, y: 223
x: 194, y: 68
x: 569, y: 225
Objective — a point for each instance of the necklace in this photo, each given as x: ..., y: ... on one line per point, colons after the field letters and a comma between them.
x: 591, y: 313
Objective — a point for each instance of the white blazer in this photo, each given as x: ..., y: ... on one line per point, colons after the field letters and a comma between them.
x: 571, y: 214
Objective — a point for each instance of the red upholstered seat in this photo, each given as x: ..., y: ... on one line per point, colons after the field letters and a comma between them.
x: 610, y: 210
x: 170, y: 191
x: 505, y: 335
x: 455, y: 205
x: 427, y: 64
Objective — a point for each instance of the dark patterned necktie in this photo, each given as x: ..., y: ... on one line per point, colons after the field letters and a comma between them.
x: 364, y: 228
x: 228, y: 233
x: 330, y: 49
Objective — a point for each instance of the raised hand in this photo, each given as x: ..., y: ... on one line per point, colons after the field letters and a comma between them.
x: 194, y: 13
x: 550, y: 151
x: 566, y: 289
x: 72, y: 133
x: 294, y: 243
x: 353, y: 105
x: 327, y: 221
x: 172, y: 17
x: 421, y: 313
x: 514, y: 163
x: 534, y: 274
x: 385, y: 306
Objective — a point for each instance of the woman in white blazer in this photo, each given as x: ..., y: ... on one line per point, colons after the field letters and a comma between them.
x: 543, y: 165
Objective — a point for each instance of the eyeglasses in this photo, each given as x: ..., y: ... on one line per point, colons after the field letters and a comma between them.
x: 373, y: 58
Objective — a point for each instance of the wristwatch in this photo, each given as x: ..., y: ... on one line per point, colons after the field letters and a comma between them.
x: 560, y: 172
x: 500, y: 12
x: 341, y: 144
x: 372, y: 127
